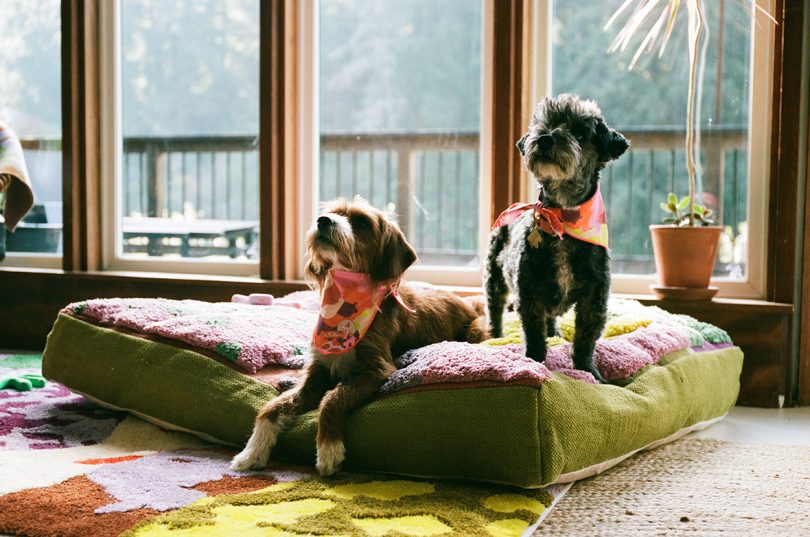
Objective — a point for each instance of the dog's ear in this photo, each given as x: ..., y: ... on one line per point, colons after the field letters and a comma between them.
x: 612, y: 144
x: 521, y: 145
x: 618, y: 144
x: 394, y: 257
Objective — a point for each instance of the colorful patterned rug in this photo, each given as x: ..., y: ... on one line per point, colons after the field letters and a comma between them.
x: 71, y: 468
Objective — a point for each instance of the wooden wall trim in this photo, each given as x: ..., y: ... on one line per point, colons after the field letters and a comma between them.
x: 785, y: 129
x: 803, y: 396
x: 271, y: 139
x: 508, y: 91
x: 803, y: 389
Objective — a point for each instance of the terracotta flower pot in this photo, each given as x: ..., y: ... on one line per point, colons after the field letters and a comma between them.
x: 684, y: 259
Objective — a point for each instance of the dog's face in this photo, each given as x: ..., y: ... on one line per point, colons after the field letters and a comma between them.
x: 565, y: 147
x: 355, y: 236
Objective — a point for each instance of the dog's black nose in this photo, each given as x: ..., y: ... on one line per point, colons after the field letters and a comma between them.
x: 545, y: 141
x: 324, y: 223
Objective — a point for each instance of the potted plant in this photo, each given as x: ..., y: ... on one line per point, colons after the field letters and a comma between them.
x: 685, y: 247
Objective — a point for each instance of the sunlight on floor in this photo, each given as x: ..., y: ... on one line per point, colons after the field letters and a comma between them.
x: 762, y: 426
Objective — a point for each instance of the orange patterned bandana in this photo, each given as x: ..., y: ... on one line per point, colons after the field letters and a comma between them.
x: 348, y: 306
x: 586, y: 223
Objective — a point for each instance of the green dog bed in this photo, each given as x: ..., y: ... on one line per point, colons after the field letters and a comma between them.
x: 452, y: 410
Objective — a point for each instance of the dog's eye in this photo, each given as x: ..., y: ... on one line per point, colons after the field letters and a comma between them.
x: 359, y: 222
x: 579, y: 132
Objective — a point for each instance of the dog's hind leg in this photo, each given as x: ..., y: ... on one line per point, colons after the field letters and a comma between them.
x: 534, y: 322
x: 589, y: 323
x: 275, y: 415
x: 477, y: 331
x: 495, y: 283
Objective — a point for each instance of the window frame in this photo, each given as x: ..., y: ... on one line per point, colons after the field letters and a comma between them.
x: 43, y: 260
x: 754, y: 286
x: 286, y: 235
x: 308, y: 176
x: 111, y: 150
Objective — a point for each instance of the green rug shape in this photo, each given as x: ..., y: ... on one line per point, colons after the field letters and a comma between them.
x: 359, y: 505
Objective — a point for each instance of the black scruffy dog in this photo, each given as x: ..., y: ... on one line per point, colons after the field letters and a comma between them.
x: 553, y: 253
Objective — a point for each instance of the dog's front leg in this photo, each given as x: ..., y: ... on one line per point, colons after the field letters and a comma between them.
x: 275, y: 415
x: 590, y: 321
x: 335, y: 409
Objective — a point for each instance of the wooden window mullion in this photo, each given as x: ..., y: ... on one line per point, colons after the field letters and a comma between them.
x: 80, y: 136
x: 272, y: 210
x: 508, y: 81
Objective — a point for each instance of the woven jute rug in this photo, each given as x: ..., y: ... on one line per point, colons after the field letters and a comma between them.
x: 693, y: 487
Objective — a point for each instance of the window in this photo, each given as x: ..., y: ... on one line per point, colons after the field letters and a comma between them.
x: 187, y: 186
x: 390, y: 102
x: 648, y: 104
x: 399, y: 116
x: 30, y: 102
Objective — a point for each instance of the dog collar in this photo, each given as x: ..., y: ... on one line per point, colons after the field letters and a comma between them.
x: 587, y: 222
x: 348, y: 306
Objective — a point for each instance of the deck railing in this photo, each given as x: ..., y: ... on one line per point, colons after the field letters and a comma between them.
x: 431, y: 180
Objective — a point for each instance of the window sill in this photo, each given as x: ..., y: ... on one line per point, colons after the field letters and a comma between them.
x: 35, y: 296
x: 716, y: 303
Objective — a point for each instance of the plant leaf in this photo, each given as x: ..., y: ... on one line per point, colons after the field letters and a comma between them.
x: 673, y: 11
x: 672, y: 199
x: 683, y: 203
x: 637, y: 18
x: 665, y: 207
x: 649, y: 40
x: 616, y: 14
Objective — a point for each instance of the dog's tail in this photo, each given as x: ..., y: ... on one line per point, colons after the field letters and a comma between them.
x: 494, y: 281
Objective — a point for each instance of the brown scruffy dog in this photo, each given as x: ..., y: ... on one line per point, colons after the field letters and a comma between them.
x: 356, y: 258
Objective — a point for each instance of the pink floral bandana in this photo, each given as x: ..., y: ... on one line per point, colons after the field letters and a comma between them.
x: 587, y: 222
x: 348, y: 306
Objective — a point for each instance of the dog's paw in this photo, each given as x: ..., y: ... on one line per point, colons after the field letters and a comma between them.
x: 250, y: 459
x: 598, y: 376
x: 330, y: 457
x: 257, y: 451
